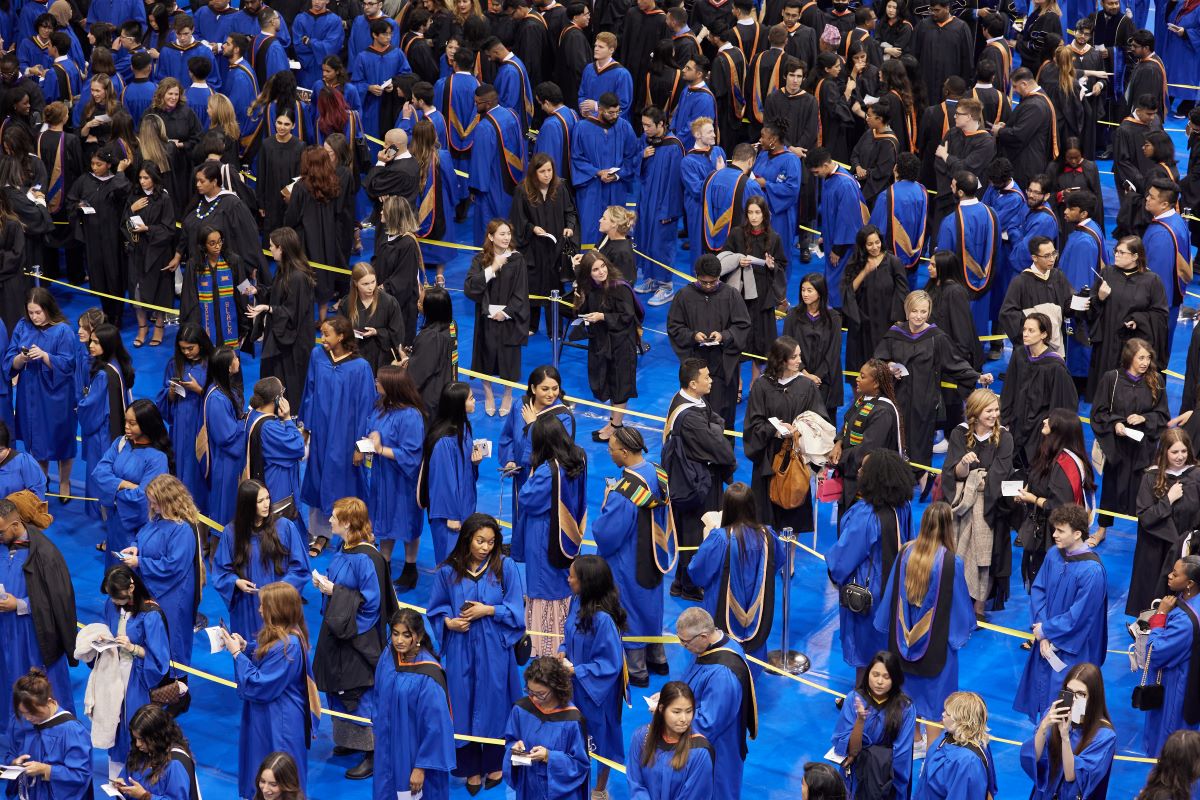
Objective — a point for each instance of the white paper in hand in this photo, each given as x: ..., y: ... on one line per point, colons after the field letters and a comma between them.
x: 1010, y: 488
x: 10, y: 772
x: 365, y: 446
x: 409, y: 795
x: 549, y: 236
x: 1056, y: 663
x: 88, y: 210
x: 521, y: 761
x: 1079, y: 303
x: 216, y: 641
x: 834, y: 757
x: 245, y: 286
x: 1135, y: 434
x: 485, y: 445
x: 495, y: 308
x: 136, y: 222
x: 778, y: 425
x: 652, y: 701
x: 110, y: 790
x: 899, y: 369
x: 711, y: 521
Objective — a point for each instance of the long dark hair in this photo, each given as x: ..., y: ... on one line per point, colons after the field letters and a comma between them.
x: 948, y: 267
x: 159, y: 734
x: 896, y: 702
x: 551, y: 442
x: 412, y: 620
x: 293, y: 260
x: 438, y: 307
x: 190, y: 334
x: 286, y: 774
x: 1177, y: 769
x: 777, y: 356
x: 399, y: 391
x: 885, y: 479
x: 271, y: 551
x: 150, y: 420
x: 669, y: 693
x: 119, y: 579
x: 739, y: 513
x: 1095, y: 715
x: 1066, y: 433
x: 597, y: 592
x: 41, y: 297
x: 219, y: 375
x: 460, y: 557
x: 1152, y: 377
x: 451, y: 418
x: 858, y: 256
x: 817, y: 281
x: 112, y: 348
x: 540, y: 374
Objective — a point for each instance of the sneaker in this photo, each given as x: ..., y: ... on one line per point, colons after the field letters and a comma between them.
x: 942, y: 446
x: 663, y: 296
x: 920, y: 747
x: 645, y: 287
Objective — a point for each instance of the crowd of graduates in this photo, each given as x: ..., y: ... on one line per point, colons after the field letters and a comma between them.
x: 275, y: 183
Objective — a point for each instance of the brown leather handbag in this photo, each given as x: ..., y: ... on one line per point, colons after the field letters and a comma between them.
x: 790, y: 483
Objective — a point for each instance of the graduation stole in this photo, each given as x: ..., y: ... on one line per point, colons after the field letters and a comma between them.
x: 910, y: 121
x: 946, y: 115
x: 863, y: 211
x: 902, y: 244
x: 762, y: 607
x: 1099, y: 245
x: 116, y: 402
x: 453, y: 124
x: 1074, y: 474
x: 720, y: 227
x: 1162, y: 71
x: 820, y: 127
x: 862, y: 412
x: 737, y: 29
x: 566, y: 529
x: 737, y: 77
x: 1183, y: 267
x: 428, y: 201
x: 759, y: 90
x: 670, y: 101
x: 218, y: 310
x: 999, y: 103
x: 851, y: 40
x: 65, y: 90
x: 56, y: 191
x: 973, y: 268
x: 736, y: 663
x: 514, y: 167
x: 526, y: 100
x: 656, y: 539
x: 566, y: 132
x: 1005, y: 65
x: 1053, y: 121
x: 932, y: 627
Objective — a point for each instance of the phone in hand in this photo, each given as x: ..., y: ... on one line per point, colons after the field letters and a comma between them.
x: 1066, y: 699
x: 466, y: 606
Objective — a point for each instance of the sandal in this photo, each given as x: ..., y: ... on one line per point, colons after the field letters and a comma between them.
x: 158, y: 336
x: 317, y: 546
x: 140, y: 339
x: 506, y: 406
x: 440, y: 280
x: 489, y: 407
x: 1096, y: 539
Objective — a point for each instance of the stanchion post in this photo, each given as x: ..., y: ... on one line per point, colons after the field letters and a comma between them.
x: 555, y: 333
x: 786, y: 659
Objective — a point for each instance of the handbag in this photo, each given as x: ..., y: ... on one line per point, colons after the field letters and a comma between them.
x: 1098, y: 457
x: 1149, y: 698
x: 790, y: 483
x: 523, y: 650
x: 829, y: 486
x: 857, y: 597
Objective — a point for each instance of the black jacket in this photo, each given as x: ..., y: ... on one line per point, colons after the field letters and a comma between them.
x: 51, y: 599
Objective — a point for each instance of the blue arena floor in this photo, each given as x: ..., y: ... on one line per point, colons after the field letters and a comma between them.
x: 796, y: 717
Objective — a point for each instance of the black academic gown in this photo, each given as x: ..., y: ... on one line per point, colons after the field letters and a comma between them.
x: 952, y: 313
x: 943, y: 50
x: 1069, y: 111
x: 1117, y: 396
x: 836, y: 118
x: 278, y: 166
x: 929, y: 356
x: 1028, y: 290
x: 106, y: 262
x: 724, y: 311
x: 388, y: 322
x: 496, y: 348
x: 641, y: 33
x: 182, y: 126
x: 544, y: 257
x: 1032, y: 387
x: 1026, y: 139
x: 231, y: 216
x: 400, y: 269
x: 51, y: 599
x: 149, y: 251
x: 821, y: 350
x: 619, y: 253
x: 1136, y: 296
x: 432, y: 363
x: 784, y: 401
x: 1188, y: 402
x: 870, y: 423
x: 189, y: 298
x: 769, y: 285
x: 996, y: 459
x: 971, y: 152
x: 876, y: 153
x: 12, y: 273
x: 936, y: 122
x: 872, y: 308
x: 317, y: 223
x: 1161, y: 526
x: 574, y: 53
x: 62, y: 155
x: 1067, y: 179
x: 289, y: 334
x: 612, y: 343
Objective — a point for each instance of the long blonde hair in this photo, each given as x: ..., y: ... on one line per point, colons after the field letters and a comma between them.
x: 1065, y: 61
x: 979, y: 401
x: 970, y: 718
x: 221, y: 116
x: 937, y: 530
x: 357, y: 273
x: 173, y: 499
x: 282, y: 614
x: 152, y: 141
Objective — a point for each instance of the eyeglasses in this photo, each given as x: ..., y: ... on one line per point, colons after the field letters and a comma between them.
x: 1051, y: 254
x: 541, y: 697
x: 687, y: 642
x: 1122, y: 252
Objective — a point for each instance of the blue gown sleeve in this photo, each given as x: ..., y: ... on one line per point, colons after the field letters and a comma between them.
x: 298, y: 571
x: 698, y: 776
x: 105, y: 477
x: 223, y: 578
x: 442, y: 604
x: 1172, y: 643
x: 607, y: 658
x: 1069, y: 630
x: 510, y: 612
x: 902, y: 756
x: 844, y: 725
x: 406, y: 438
x: 93, y: 406
x: 1093, y: 765
x: 171, y: 561
x: 368, y: 587
x: 157, y: 661
x: 721, y: 705
x: 534, y: 497
x: 269, y: 677
x: 850, y: 551
x: 567, y: 768
x: 225, y: 430
x: 173, y: 782
x: 507, y: 436
x: 634, y: 771
x: 611, y: 527
x: 33, y: 478
x: 444, y: 474
x: 72, y: 772
x: 435, y: 748
x: 706, y: 565
x: 962, y: 612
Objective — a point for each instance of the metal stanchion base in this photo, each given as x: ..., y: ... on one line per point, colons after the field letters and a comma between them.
x: 794, y: 662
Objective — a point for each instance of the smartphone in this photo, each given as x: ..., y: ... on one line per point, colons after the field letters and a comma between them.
x: 24, y: 351
x: 1066, y: 699
x: 466, y: 605
x: 516, y: 751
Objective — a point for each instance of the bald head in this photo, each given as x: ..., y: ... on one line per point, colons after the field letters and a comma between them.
x: 397, y: 139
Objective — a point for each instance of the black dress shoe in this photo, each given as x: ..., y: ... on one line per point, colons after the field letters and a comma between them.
x: 474, y: 788
x: 364, y: 770
x: 640, y: 683
x: 338, y: 750
x: 488, y: 783
x: 659, y: 669
x: 694, y: 594
x: 676, y: 590
x: 408, y: 577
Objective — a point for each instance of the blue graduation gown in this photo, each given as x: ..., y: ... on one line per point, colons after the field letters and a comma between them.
x: 183, y: 416
x: 783, y: 173
x: 22, y: 472
x: 515, y: 446
x: 662, y: 197
x: 338, y: 397
x: 226, y: 453
x: 718, y: 718
x: 137, y: 97
x: 374, y: 68
x: 197, y: 99
x: 564, y: 776
x: 951, y: 772
x: 694, y: 102
x: 1173, y: 655
x: 454, y: 96
x: 615, y: 530
x: 512, y: 84
x: 1064, y: 599
x: 1181, y: 55
x: 972, y: 232
x: 873, y: 733
x: 596, y: 148
x: 661, y: 781
x: 1166, y: 240
x: 274, y: 705
x: 357, y: 571
x: 1092, y: 766
x: 697, y: 165
x: 45, y: 394
x: 6, y: 401
x: 64, y: 744
x: 94, y: 422
x: 719, y: 197
x: 929, y: 693
x: 126, y: 508
x: 598, y: 683
x: 240, y: 85
x: 31, y: 52
x: 243, y: 608
x: 50, y: 82
x: 554, y: 138
x: 21, y: 650
x: 117, y: 12
x: 1082, y: 258
x: 543, y: 580
x: 360, y: 37
x: 451, y: 480
x: 148, y: 630
x: 1039, y: 221
x: 324, y: 36
x: 214, y: 27
x: 612, y: 78
x: 748, y: 580
x: 841, y: 213
x: 1011, y: 210
x: 173, y: 782
x: 392, y: 488
x: 173, y: 63
x: 282, y: 451
x: 857, y: 556
x: 167, y: 563
x: 413, y: 727
x: 481, y: 671
x: 496, y: 165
